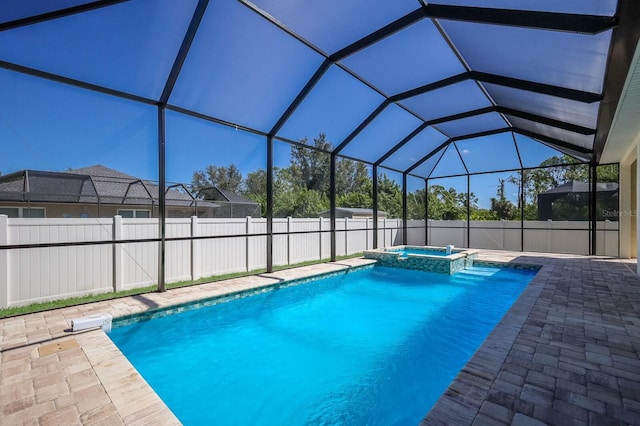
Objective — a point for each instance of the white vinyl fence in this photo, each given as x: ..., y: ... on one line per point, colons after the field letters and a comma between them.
x: 30, y: 275
x: 539, y: 236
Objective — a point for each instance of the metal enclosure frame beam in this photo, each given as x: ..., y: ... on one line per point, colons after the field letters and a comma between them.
x: 332, y: 205
x: 269, y: 204
x: 60, y: 13
x: 162, y: 196
x: 404, y: 209
x: 624, y: 41
x: 575, y: 23
x: 375, y: 205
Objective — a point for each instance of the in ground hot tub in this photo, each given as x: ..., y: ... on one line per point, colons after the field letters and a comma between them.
x: 424, y: 258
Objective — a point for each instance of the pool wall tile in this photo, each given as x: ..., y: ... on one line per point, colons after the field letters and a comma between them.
x: 189, y: 306
x: 449, y: 264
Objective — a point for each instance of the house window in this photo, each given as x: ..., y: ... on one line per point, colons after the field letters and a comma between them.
x: 137, y: 214
x: 37, y: 212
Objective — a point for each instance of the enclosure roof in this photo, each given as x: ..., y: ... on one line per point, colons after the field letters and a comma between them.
x: 393, y: 84
x: 219, y: 194
x: 87, y: 185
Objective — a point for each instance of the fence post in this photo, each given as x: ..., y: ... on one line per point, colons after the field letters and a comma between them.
x: 4, y: 262
x: 288, y: 240
x: 195, y: 254
x: 118, y: 284
x: 320, y: 234
x: 248, y: 243
x: 366, y: 235
x: 384, y: 232
x: 346, y: 236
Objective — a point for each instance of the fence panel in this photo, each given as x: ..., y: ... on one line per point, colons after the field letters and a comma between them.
x: 341, y: 237
x: 416, y: 232
x: 303, y: 247
x: 557, y: 236
x: 496, y: 235
x: 357, y: 239
x: 219, y: 256
x: 257, y: 245
x: 607, y: 238
x: 395, y: 234
x: 445, y: 232
x: 40, y: 274
x: 139, y: 260
x: 178, y: 253
x: 326, y: 237
x: 280, y: 243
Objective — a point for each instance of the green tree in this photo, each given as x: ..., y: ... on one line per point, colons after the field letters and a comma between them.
x: 415, y: 205
x: 351, y: 176
x: 501, y: 207
x: 224, y: 177
x: 448, y: 204
x: 389, y: 196
x: 301, y: 202
x: 608, y: 173
x: 311, y: 168
x: 255, y: 188
x: 483, y: 214
x: 354, y: 199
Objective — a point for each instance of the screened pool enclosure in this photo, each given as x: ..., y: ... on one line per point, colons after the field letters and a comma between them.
x: 459, y: 120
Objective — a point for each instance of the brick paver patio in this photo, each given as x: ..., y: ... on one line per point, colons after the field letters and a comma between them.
x: 568, y: 352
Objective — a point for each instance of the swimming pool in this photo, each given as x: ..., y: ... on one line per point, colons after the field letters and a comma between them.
x: 376, y: 346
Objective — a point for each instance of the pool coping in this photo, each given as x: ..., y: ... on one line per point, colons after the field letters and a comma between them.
x: 227, y: 297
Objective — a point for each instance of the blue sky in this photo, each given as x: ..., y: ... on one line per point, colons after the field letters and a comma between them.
x: 51, y: 126
x: 48, y: 126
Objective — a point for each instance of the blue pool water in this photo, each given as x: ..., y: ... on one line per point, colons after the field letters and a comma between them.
x: 372, y: 347
x: 409, y: 250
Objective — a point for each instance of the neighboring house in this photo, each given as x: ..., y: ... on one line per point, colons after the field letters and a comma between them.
x: 570, y: 201
x: 353, y: 213
x: 229, y: 203
x: 95, y: 191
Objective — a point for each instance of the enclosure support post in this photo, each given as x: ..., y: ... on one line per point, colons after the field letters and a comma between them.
x: 468, y: 210
x: 375, y: 206
x: 161, y: 195
x: 593, y: 199
x: 522, y: 201
x: 269, y: 204
x: 332, y: 205
x: 426, y: 212
x: 404, y: 208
